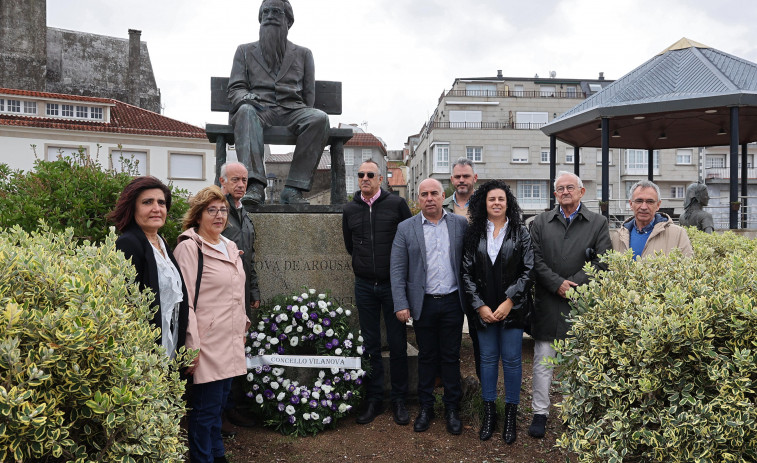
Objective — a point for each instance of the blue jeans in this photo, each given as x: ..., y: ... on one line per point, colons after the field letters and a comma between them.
x: 205, y: 441
x: 495, y: 343
x: 373, y: 299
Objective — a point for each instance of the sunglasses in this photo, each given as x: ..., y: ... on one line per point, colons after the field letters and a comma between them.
x: 369, y: 174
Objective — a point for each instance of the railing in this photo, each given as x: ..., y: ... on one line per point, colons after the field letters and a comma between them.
x: 725, y: 172
x: 515, y: 94
x: 485, y: 125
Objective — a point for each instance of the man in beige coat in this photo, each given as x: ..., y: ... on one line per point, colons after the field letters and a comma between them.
x: 648, y: 231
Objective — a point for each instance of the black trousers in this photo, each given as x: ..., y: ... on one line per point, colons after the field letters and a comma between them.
x: 438, y: 332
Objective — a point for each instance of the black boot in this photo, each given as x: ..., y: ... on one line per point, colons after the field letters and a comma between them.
x: 489, y: 421
x: 511, y: 413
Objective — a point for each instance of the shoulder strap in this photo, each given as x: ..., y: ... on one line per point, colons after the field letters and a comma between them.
x: 199, y: 275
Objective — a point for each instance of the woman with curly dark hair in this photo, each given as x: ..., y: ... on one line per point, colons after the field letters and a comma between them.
x: 497, y: 265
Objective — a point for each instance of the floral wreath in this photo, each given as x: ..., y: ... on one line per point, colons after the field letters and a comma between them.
x: 306, y: 325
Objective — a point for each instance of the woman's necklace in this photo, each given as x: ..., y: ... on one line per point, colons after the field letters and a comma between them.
x: 156, y: 243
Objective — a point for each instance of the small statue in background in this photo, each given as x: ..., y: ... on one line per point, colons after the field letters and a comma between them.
x: 693, y: 213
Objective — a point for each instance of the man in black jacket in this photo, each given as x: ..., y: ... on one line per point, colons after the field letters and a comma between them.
x: 369, y: 224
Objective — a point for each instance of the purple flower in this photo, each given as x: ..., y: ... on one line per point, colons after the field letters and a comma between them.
x: 333, y: 407
x: 330, y: 396
x: 250, y: 395
x: 281, y: 407
x: 327, y: 420
x: 310, y: 324
x: 294, y: 400
x: 359, y: 381
x: 332, y: 314
x: 313, y: 403
x: 255, y: 387
x: 266, y: 368
x: 328, y: 345
x: 347, y: 376
x: 258, y: 370
x: 334, y: 342
x: 311, y: 336
x: 327, y: 382
x: 274, y: 327
x: 253, y: 335
x: 291, y: 419
x: 348, y: 344
x: 313, y: 316
x: 291, y: 388
x: 305, y: 393
x: 324, y: 403
x: 326, y: 322
x: 347, y: 395
x: 282, y: 336
x: 298, y: 315
x: 337, y: 396
x: 337, y: 379
x: 321, y: 334
x: 266, y: 320
x: 280, y: 350
x: 268, y: 394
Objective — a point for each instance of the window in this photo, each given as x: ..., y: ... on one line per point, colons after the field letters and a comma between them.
x: 715, y: 161
x: 474, y: 153
x: 30, y: 107
x: 530, y: 120
x: 749, y: 161
x: 129, y: 161
x: 82, y: 111
x: 520, y: 155
x: 595, y: 87
x: 599, y: 157
x: 533, y: 194
x: 677, y: 192
x: 96, y: 113
x: 463, y: 119
x: 547, y: 90
x: 636, y: 162
x: 2, y: 104
x: 517, y: 90
x: 480, y: 89
x: 53, y: 153
x: 570, y: 92
x: 599, y: 191
x: 52, y: 109
x: 544, y: 156
x: 349, y: 157
x: 441, y: 158
x: 684, y: 156
x: 350, y: 184
x: 569, y: 155
x: 14, y: 106
x: 367, y: 154
x: 67, y: 110
x: 186, y: 166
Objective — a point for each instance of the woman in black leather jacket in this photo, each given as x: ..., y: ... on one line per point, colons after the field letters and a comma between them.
x: 497, y: 265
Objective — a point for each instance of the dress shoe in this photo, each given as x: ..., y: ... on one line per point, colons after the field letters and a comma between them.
x: 509, y: 433
x: 373, y: 409
x: 291, y: 195
x: 423, y: 420
x: 454, y: 425
x: 227, y: 430
x: 239, y: 417
x: 489, y: 422
x: 401, y: 416
x: 538, y: 426
x: 254, y: 196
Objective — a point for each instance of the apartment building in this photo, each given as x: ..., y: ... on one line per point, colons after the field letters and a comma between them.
x: 495, y: 122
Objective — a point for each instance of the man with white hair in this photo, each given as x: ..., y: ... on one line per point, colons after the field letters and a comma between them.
x: 564, y: 239
x: 649, y: 231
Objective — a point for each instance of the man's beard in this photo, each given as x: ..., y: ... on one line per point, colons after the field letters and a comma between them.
x: 273, y: 44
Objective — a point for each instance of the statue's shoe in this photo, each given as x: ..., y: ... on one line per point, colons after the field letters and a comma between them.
x: 255, y: 196
x: 291, y: 195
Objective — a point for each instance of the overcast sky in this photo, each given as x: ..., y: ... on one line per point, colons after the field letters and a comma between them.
x: 395, y: 57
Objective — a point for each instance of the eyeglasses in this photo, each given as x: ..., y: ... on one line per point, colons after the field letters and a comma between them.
x: 214, y: 211
x: 369, y: 174
x: 273, y: 11
x: 648, y: 202
x: 569, y: 188
x: 238, y: 179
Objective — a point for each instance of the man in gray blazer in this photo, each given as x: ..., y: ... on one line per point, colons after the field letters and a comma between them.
x: 426, y: 284
x: 272, y: 82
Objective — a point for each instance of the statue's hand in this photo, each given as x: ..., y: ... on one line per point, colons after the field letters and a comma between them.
x: 250, y: 97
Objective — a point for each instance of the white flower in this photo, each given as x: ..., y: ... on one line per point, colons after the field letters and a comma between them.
x: 311, y: 291
x: 266, y: 379
x: 284, y: 317
x: 343, y: 408
x: 348, y: 312
x: 288, y: 329
x: 281, y: 396
x: 322, y: 304
x: 340, y: 310
x: 261, y: 326
x: 250, y: 378
x: 329, y: 332
x: 316, y: 395
x: 350, y: 336
x: 274, y: 341
x: 353, y: 375
x: 338, y: 351
x: 304, y: 295
x: 256, y: 344
x: 334, y: 370
x: 274, y: 385
x: 317, y: 329
x: 360, y: 350
x: 285, y: 384
x: 247, y: 349
x: 329, y: 402
x: 299, y: 329
x: 295, y: 308
x: 277, y: 371
x: 306, y: 416
x: 259, y: 398
x: 277, y: 308
x: 303, y: 400
x: 321, y: 374
x: 314, y: 416
x: 261, y: 336
x: 289, y: 410
x: 360, y: 372
x: 293, y: 341
x: 327, y: 389
x: 321, y: 296
x: 360, y: 338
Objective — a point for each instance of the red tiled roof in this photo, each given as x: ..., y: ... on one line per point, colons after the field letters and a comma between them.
x: 365, y: 139
x: 397, y: 178
x: 124, y: 118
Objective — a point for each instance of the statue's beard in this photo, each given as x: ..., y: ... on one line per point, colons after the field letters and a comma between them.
x: 273, y: 44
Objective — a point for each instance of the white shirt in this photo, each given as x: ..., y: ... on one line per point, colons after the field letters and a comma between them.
x: 493, y: 245
x: 169, y: 282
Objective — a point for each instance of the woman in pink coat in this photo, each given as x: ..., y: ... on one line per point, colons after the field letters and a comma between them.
x: 217, y: 319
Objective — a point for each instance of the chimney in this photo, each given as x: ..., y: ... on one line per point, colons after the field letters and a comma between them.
x: 601, y: 76
x: 132, y: 80
x: 499, y: 73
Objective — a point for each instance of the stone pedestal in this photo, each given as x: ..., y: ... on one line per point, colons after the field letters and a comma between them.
x: 303, y: 246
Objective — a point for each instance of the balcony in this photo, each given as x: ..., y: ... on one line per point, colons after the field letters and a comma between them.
x: 485, y: 125
x: 724, y: 173
x: 515, y: 94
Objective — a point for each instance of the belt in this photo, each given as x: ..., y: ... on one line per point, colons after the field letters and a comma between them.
x: 441, y: 296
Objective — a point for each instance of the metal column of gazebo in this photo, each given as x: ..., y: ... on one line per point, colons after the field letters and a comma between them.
x: 690, y: 95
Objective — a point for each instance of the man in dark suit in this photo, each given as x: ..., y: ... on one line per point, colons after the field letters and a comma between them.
x: 272, y: 82
x: 426, y: 284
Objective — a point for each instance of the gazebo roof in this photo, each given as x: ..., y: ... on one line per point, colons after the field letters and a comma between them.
x: 679, y: 98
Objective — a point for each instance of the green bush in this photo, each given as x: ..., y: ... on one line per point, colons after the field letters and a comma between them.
x: 81, y: 378
x: 73, y: 192
x: 662, y: 362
